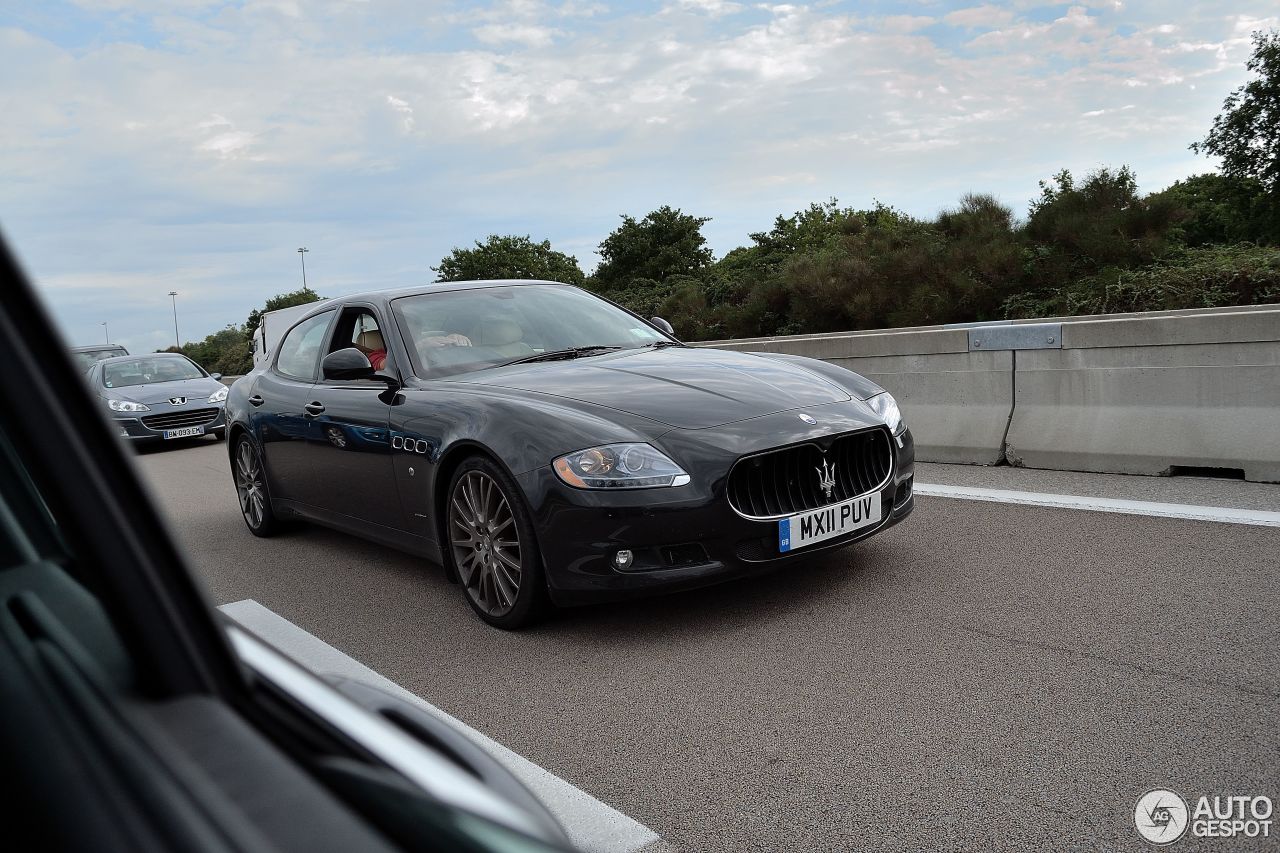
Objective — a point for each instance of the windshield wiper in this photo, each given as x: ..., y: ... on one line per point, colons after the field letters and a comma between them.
x: 560, y: 354
x: 665, y: 344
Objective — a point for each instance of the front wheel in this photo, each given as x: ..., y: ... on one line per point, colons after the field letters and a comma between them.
x: 492, y: 546
x: 251, y: 489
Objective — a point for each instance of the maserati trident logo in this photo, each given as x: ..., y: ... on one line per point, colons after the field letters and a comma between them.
x: 826, y: 478
x: 177, y: 401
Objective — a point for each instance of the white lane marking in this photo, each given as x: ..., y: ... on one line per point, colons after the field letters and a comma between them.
x: 1184, y: 511
x: 590, y: 824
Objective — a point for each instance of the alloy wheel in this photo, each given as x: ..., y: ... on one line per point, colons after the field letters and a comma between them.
x: 486, y: 543
x: 249, y: 485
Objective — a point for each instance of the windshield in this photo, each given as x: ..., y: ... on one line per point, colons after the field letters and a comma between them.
x: 88, y: 358
x: 458, y: 331
x: 144, y: 370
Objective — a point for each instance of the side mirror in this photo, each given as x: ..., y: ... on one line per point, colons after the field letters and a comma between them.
x: 215, y: 375
x: 663, y: 325
x: 347, y: 363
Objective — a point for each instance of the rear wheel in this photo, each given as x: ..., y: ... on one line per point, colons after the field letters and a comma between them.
x: 492, y: 545
x: 251, y: 489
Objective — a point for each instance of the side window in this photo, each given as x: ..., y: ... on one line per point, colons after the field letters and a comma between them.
x: 300, y: 349
x: 358, y: 327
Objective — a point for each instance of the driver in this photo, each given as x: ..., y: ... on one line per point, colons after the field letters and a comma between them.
x: 370, y: 343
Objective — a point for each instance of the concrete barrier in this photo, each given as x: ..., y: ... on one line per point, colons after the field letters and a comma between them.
x: 1149, y: 395
x: 1131, y: 393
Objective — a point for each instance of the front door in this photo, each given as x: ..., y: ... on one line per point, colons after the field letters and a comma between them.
x: 349, y: 445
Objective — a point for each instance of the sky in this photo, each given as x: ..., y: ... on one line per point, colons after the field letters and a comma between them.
x: 151, y: 146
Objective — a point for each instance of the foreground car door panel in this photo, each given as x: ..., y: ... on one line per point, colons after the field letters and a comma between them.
x: 133, y: 721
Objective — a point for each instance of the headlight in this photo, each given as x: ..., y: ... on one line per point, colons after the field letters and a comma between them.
x: 219, y: 395
x: 886, y: 407
x: 126, y: 406
x: 619, y: 466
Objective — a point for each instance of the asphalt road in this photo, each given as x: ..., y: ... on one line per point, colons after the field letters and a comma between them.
x: 982, y: 677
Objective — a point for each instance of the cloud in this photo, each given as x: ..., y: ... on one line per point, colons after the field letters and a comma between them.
x: 525, y: 34
x: 203, y: 145
x: 405, y: 111
x: 980, y: 17
x: 715, y: 8
x: 906, y: 23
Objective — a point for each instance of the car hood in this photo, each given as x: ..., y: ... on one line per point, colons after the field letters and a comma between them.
x: 160, y: 392
x: 687, y: 388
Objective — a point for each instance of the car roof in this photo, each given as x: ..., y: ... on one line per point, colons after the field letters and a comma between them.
x: 96, y: 347
x: 118, y: 358
x: 387, y: 294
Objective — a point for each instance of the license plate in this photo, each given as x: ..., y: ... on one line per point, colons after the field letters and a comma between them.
x: 185, y: 432
x: 817, y: 525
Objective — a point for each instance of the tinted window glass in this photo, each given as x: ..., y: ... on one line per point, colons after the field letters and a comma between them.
x: 463, y: 330
x: 144, y: 370
x: 300, y: 349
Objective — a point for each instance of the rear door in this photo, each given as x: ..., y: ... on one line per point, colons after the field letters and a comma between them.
x: 280, y: 419
x: 348, y: 445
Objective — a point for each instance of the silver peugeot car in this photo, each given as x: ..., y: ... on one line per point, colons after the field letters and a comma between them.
x: 160, y: 396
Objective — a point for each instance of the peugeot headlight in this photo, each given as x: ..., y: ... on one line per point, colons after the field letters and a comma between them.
x: 126, y: 406
x: 619, y: 466
x: 887, y: 407
x: 219, y: 395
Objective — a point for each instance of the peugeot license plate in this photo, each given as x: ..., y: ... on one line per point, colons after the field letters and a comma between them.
x: 816, y: 525
x: 185, y: 432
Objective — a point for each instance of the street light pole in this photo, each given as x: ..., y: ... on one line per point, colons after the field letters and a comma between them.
x: 173, y: 294
x: 106, y: 333
x: 302, y: 255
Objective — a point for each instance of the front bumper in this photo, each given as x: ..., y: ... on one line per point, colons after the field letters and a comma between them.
x: 683, y: 537
x: 135, y: 429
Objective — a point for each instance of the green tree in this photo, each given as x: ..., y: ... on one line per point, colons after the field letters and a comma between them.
x: 1246, y: 134
x: 663, y: 244
x: 509, y: 257
x: 813, y: 229
x: 1077, y: 229
x: 303, y: 296
x: 226, y: 351
x: 1201, y: 277
x: 1224, y: 209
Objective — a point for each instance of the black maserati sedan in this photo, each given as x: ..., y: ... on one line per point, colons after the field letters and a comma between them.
x: 546, y: 445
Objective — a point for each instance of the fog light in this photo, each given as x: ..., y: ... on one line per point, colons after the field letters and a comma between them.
x: 622, y: 559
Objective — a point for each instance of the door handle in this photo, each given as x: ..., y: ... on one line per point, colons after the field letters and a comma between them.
x: 314, y: 408
x: 256, y: 400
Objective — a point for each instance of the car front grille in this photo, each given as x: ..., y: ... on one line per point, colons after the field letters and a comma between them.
x: 177, y: 420
x: 789, y: 480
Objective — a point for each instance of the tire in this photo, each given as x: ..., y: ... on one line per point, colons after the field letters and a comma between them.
x: 251, y: 489
x: 491, y: 546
